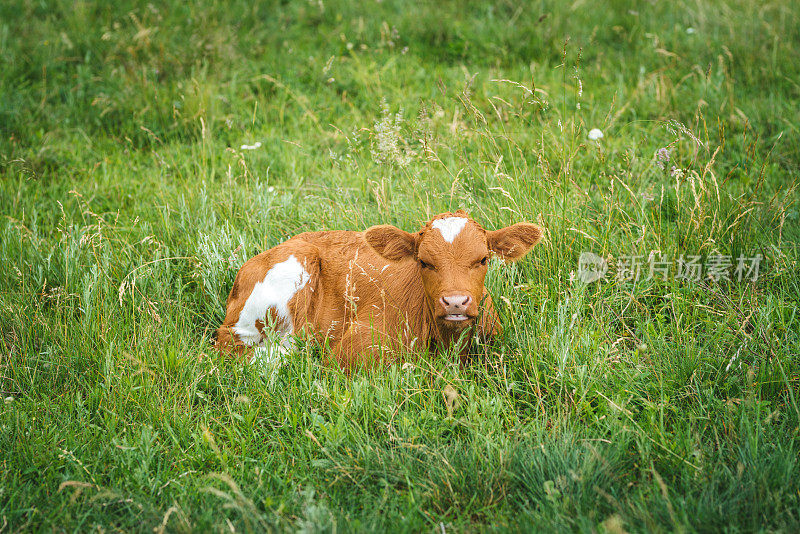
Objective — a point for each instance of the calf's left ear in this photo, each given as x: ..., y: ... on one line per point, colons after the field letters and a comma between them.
x: 513, y: 242
x: 390, y: 242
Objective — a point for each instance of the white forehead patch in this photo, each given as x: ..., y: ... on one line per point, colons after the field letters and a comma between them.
x: 449, y: 227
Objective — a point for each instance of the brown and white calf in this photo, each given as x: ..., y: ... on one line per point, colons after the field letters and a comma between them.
x: 366, y: 294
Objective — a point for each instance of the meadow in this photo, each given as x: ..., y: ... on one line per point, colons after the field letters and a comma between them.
x: 148, y: 149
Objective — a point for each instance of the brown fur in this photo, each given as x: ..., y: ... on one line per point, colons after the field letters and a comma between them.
x: 369, y: 295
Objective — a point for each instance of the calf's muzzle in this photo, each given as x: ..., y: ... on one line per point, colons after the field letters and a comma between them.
x: 456, y: 306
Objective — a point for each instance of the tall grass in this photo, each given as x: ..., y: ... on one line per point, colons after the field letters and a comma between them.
x: 128, y: 203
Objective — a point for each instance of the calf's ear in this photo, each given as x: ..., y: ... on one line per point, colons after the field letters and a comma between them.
x: 513, y: 242
x: 390, y: 242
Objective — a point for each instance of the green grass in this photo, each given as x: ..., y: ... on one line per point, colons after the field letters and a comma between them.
x: 126, y: 206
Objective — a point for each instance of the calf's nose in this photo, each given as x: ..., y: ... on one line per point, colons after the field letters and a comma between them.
x: 455, y: 303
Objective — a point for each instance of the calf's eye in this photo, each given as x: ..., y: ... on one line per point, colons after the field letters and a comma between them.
x: 481, y: 262
x: 425, y: 265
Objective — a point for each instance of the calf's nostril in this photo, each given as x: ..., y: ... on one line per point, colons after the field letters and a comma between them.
x: 466, y: 302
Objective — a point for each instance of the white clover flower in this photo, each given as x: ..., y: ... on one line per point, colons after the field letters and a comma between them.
x: 270, y: 189
x: 9, y: 400
x: 690, y: 30
x: 595, y: 134
x: 254, y: 146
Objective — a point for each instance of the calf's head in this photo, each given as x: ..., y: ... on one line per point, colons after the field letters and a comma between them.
x: 452, y: 252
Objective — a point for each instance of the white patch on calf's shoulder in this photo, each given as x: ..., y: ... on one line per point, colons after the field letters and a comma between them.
x: 280, y: 284
x: 449, y: 227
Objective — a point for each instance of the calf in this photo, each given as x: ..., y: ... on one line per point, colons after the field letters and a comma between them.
x: 367, y: 294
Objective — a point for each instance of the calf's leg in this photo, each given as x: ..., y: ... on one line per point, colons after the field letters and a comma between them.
x: 365, y: 345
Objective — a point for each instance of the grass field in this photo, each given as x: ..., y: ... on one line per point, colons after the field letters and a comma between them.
x: 128, y: 202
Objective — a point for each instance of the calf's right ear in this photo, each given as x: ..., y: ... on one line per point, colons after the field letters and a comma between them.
x: 390, y: 242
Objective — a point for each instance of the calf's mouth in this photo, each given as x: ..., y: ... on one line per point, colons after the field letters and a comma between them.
x: 456, y: 320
